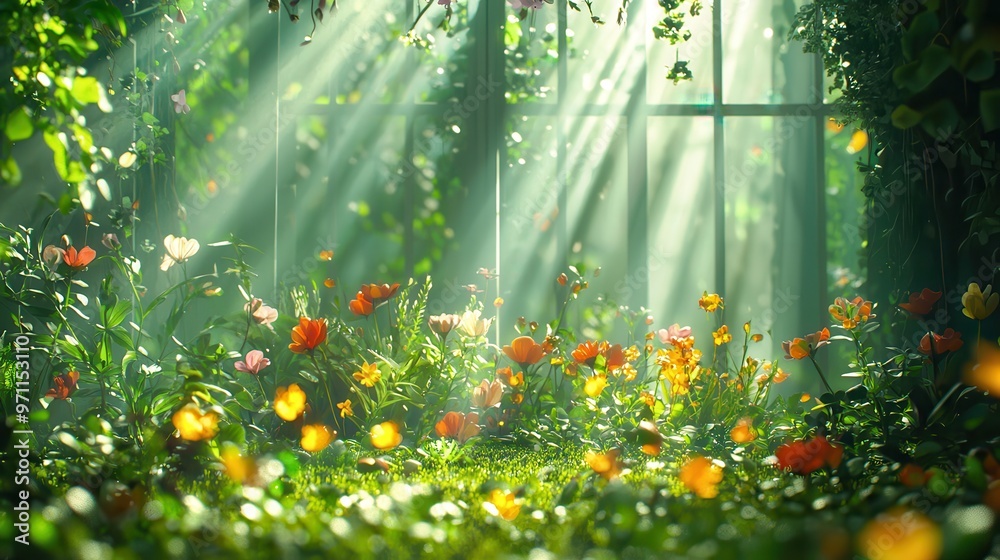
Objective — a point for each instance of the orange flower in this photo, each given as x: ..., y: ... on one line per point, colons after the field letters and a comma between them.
x: 901, y: 534
x: 503, y: 504
x: 913, y: 476
x: 743, y: 432
x: 850, y: 313
x: 192, y: 424
x: 458, y: 426
x: 309, y: 334
x: 326, y: 255
x: 701, y: 476
x: 330, y: 283
x: 650, y: 438
x: 290, y: 402
x: 239, y: 468
x: 710, y: 302
x: 361, y: 305
x: 985, y: 374
x: 378, y: 292
x: 806, y: 456
x: 562, y: 279
x: 605, y: 464
x: 586, y: 353
x: 799, y: 348
x: 517, y: 398
x: 524, y: 350
x: 65, y: 386
x: 921, y: 303
x: 506, y: 375
x: 79, y: 260
x: 385, y: 435
x: 487, y: 395
x: 315, y: 437
x: 949, y: 341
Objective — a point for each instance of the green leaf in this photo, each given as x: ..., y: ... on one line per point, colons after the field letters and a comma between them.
x: 86, y: 90
x: 917, y: 75
x: 920, y: 34
x: 989, y: 108
x: 19, y: 125
x: 940, y: 119
x: 905, y: 117
x: 10, y: 172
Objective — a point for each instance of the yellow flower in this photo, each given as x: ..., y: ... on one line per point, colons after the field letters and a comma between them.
x: 498, y: 302
x: 517, y: 398
x: 743, y: 432
x: 757, y: 337
x: 632, y: 353
x: 385, y: 435
x: 722, y: 336
x: 605, y: 464
x: 315, y: 437
x: 978, y: 304
x: 238, y: 467
x: 194, y: 425
x: 647, y: 398
x: 710, y: 302
x: 901, y: 534
x: 345, y: 409
x: 369, y: 375
x: 701, y: 476
x: 595, y: 385
x: 290, y: 403
x: 628, y: 370
x: 503, y: 504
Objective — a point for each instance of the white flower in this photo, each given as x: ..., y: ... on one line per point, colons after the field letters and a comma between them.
x: 179, y: 249
x: 472, y: 325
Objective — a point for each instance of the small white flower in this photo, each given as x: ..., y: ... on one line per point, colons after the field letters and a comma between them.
x: 472, y: 325
x: 179, y: 249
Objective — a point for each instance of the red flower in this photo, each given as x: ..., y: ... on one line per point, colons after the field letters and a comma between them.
x: 309, y: 334
x: 921, y: 302
x: 65, y: 386
x: 361, y: 305
x: 949, y: 341
x: 79, y: 260
x: 806, y: 456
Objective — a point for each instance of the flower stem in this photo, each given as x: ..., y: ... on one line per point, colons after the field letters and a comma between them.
x: 819, y: 370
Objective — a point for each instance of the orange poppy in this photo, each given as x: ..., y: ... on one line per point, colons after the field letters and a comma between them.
x: 799, y: 348
x: 949, y: 341
x: 65, y: 386
x: 921, y: 303
x: 586, y: 353
x: 378, y: 292
x: 309, y: 334
x: 361, y: 305
x: 77, y: 260
x: 508, y: 376
x: 806, y: 456
x: 458, y: 426
x: 524, y: 350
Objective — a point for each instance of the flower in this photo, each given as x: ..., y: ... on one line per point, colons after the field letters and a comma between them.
x: 253, y: 363
x: 722, y: 336
x: 261, y: 314
x: 110, y: 241
x: 799, y: 348
x: 524, y: 350
x: 743, y: 432
x: 978, y: 304
x: 180, y: 102
x: 369, y: 374
x: 710, y: 302
x: 949, y: 341
x: 586, y: 353
x: 595, y: 384
x: 647, y: 398
x: 326, y: 255
x: 345, y: 409
x: 562, y: 279
x: 52, y: 256
x: 472, y: 326
x: 458, y: 426
x: 361, y: 305
x: 290, y: 402
x: 650, y: 438
x: 701, y: 476
x: 385, y: 435
x: 985, y: 374
x: 65, y: 386
x: 179, y: 250
x: 506, y: 375
x: 238, y: 468
x: 76, y: 260
x: 913, y: 476
x: 307, y: 335
x: 920, y: 303
x: 673, y: 334
x: 850, y: 313
x: 330, y: 283
x: 315, y: 437
x: 605, y: 464
x: 376, y: 293
x: 901, y: 534
x: 525, y: 4
x: 502, y: 504
x: 806, y: 456
x: 443, y: 324
x: 487, y: 395
x: 192, y: 424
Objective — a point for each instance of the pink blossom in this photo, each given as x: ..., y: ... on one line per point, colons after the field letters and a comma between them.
x: 524, y: 4
x: 262, y: 314
x: 255, y: 361
x: 673, y: 334
x: 180, y: 102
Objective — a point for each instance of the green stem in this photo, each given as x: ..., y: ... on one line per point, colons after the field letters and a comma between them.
x: 820, y: 372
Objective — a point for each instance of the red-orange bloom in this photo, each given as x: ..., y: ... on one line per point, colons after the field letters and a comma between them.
x: 921, y: 302
x: 379, y: 292
x: 524, y: 350
x: 76, y: 260
x: 458, y: 426
x: 806, y: 456
x: 587, y: 353
x: 361, y: 305
x: 799, y: 348
x: 852, y: 312
x: 949, y: 341
x: 309, y: 334
x: 65, y: 386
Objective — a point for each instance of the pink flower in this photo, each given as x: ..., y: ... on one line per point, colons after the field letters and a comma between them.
x: 180, y: 102
x: 444, y: 3
x: 255, y: 361
x: 262, y: 314
x: 673, y: 334
x: 524, y: 4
